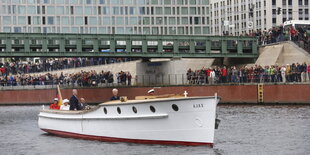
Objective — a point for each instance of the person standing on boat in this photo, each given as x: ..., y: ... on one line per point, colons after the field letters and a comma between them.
x: 66, y: 105
x: 74, y: 101
x: 55, y: 104
x: 114, y: 97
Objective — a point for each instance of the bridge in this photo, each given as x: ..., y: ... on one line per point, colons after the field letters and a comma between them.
x: 118, y: 45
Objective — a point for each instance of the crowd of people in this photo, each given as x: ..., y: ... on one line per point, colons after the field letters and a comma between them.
x: 82, y: 79
x: 295, y: 72
x: 123, y: 78
x: 278, y: 34
x: 52, y: 64
x: 17, y: 72
x: 256, y: 74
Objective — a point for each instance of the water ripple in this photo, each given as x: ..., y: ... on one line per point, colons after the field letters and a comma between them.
x: 243, y: 130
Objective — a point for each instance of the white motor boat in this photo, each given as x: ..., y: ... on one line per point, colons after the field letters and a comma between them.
x: 175, y: 120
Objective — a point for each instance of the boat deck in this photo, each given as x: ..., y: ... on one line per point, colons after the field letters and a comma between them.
x: 146, y: 100
x: 141, y: 100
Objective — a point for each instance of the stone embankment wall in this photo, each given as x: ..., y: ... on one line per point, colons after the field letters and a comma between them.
x: 290, y: 93
x: 281, y: 54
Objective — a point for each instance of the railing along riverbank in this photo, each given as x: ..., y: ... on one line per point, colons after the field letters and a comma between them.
x: 160, y: 80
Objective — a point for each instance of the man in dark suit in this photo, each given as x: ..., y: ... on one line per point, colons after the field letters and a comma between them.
x: 74, y: 101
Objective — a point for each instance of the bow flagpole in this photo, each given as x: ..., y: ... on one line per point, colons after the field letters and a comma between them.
x: 59, y: 95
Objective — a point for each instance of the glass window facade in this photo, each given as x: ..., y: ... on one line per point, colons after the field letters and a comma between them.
x: 21, y: 20
x: 105, y: 16
x: 236, y: 13
x: 50, y: 20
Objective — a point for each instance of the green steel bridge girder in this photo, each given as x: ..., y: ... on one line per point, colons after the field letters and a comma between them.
x: 119, y: 45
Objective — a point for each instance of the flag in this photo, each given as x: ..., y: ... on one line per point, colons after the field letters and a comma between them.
x: 58, y: 95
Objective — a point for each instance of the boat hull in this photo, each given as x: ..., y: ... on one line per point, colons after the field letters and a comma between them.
x: 112, y: 139
x: 182, y: 121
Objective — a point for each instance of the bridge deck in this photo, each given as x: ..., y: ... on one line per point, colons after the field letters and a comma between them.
x: 109, y: 45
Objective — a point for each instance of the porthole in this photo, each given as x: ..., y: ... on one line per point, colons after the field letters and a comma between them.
x: 152, y: 109
x: 119, y: 110
x: 175, y: 107
x: 134, y: 109
x: 105, y: 110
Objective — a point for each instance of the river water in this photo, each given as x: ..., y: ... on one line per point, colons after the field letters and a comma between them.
x: 243, y: 130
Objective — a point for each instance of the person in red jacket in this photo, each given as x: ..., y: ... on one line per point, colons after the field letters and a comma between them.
x: 55, y: 104
x: 293, y: 33
x: 2, y: 70
x: 224, y: 74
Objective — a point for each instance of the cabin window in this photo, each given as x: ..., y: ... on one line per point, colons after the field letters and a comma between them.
x: 134, y: 109
x: 119, y: 110
x: 175, y: 107
x: 105, y: 110
x: 152, y: 109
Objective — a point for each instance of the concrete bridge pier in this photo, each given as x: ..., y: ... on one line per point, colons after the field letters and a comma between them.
x: 168, y: 71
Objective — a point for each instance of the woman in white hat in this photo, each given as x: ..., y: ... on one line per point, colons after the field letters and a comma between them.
x: 65, y: 105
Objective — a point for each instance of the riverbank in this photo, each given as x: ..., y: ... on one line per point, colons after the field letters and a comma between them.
x: 231, y: 94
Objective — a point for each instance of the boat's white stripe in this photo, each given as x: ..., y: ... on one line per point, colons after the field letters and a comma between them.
x: 113, y: 117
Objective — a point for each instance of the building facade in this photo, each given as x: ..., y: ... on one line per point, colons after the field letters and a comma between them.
x: 236, y: 17
x: 169, y: 17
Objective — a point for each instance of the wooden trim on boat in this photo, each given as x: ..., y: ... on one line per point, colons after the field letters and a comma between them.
x: 73, y: 112
x: 154, y: 116
x: 159, y: 96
